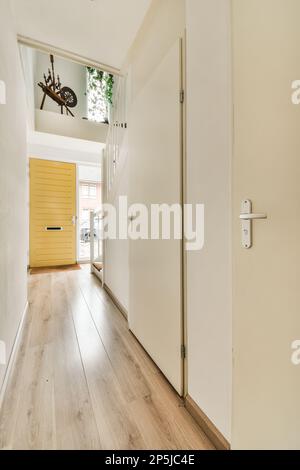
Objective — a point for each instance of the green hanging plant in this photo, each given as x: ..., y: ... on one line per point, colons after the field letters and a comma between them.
x: 109, y: 85
x: 106, y: 81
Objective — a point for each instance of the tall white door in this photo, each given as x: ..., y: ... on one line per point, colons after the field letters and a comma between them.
x: 266, y: 170
x: 155, y: 301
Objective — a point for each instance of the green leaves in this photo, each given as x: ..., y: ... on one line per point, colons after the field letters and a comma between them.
x: 109, y: 79
x: 102, y: 80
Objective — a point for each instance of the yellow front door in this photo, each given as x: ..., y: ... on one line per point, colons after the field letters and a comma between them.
x: 52, y: 213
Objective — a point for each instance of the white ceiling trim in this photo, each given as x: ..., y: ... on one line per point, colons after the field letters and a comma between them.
x: 43, y: 47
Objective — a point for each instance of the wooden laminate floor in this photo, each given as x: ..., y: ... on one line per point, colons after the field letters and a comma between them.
x: 82, y: 381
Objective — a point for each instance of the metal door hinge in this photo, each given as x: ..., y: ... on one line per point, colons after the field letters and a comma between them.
x: 183, y: 351
x: 181, y: 96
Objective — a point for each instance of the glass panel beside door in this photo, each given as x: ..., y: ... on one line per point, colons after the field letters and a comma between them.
x: 89, y: 201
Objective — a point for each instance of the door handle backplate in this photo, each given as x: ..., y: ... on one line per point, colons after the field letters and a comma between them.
x: 247, y: 217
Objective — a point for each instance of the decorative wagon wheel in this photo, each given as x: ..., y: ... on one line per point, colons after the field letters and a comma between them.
x: 64, y: 97
x: 69, y: 97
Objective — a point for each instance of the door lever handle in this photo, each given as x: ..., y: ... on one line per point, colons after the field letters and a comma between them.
x: 253, y: 216
x: 246, y: 217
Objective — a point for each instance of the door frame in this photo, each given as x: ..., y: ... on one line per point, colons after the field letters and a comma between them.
x: 183, y: 132
x: 90, y: 165
x: 181, y: 44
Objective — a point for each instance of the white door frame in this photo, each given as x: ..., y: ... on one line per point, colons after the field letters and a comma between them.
x: 183, y: 202
x: 90, y: 165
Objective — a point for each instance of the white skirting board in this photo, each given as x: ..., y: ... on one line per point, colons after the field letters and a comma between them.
x: 13, y: 355
x: 97, y: 273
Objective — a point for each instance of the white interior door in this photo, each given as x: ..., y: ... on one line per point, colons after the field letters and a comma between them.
x: 155, y: 299
x: 266, y: 169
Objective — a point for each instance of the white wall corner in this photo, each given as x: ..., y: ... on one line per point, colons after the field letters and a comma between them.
x: 209, y: 160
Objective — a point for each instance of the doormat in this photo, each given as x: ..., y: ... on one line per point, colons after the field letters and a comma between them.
x: 55, y: 269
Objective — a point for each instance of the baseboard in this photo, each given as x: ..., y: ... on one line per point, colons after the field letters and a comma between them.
x: 206, y: 425
x: 116, y: 302
x: 98, y: 274
x: 13, y: 355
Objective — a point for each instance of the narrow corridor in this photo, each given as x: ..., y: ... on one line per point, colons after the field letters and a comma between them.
x: 82, y: 381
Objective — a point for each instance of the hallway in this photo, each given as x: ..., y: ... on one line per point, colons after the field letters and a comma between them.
x: 82, y: 381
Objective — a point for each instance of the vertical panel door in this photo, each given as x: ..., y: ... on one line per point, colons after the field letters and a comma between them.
x: 266, y: 170
x: 155, y: 302
x: 52, y: 213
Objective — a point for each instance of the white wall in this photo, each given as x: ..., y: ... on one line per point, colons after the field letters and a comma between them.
x: 64, y: 149
x: 208, y: 182
x: 13, y: 188
x: 28, y: 61
x: 90, y: 173
x: 117, y: 251
x: 53, y: 123
x: 157, y: 34
x: 164, y: 23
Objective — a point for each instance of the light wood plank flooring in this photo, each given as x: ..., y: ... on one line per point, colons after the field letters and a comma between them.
x: 82, y: 381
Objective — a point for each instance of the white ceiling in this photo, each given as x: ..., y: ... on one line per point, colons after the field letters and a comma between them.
x: 101, y: 30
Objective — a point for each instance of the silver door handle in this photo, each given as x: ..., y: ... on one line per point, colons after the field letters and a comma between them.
x: 246, y: 217
x: 253, y: 216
